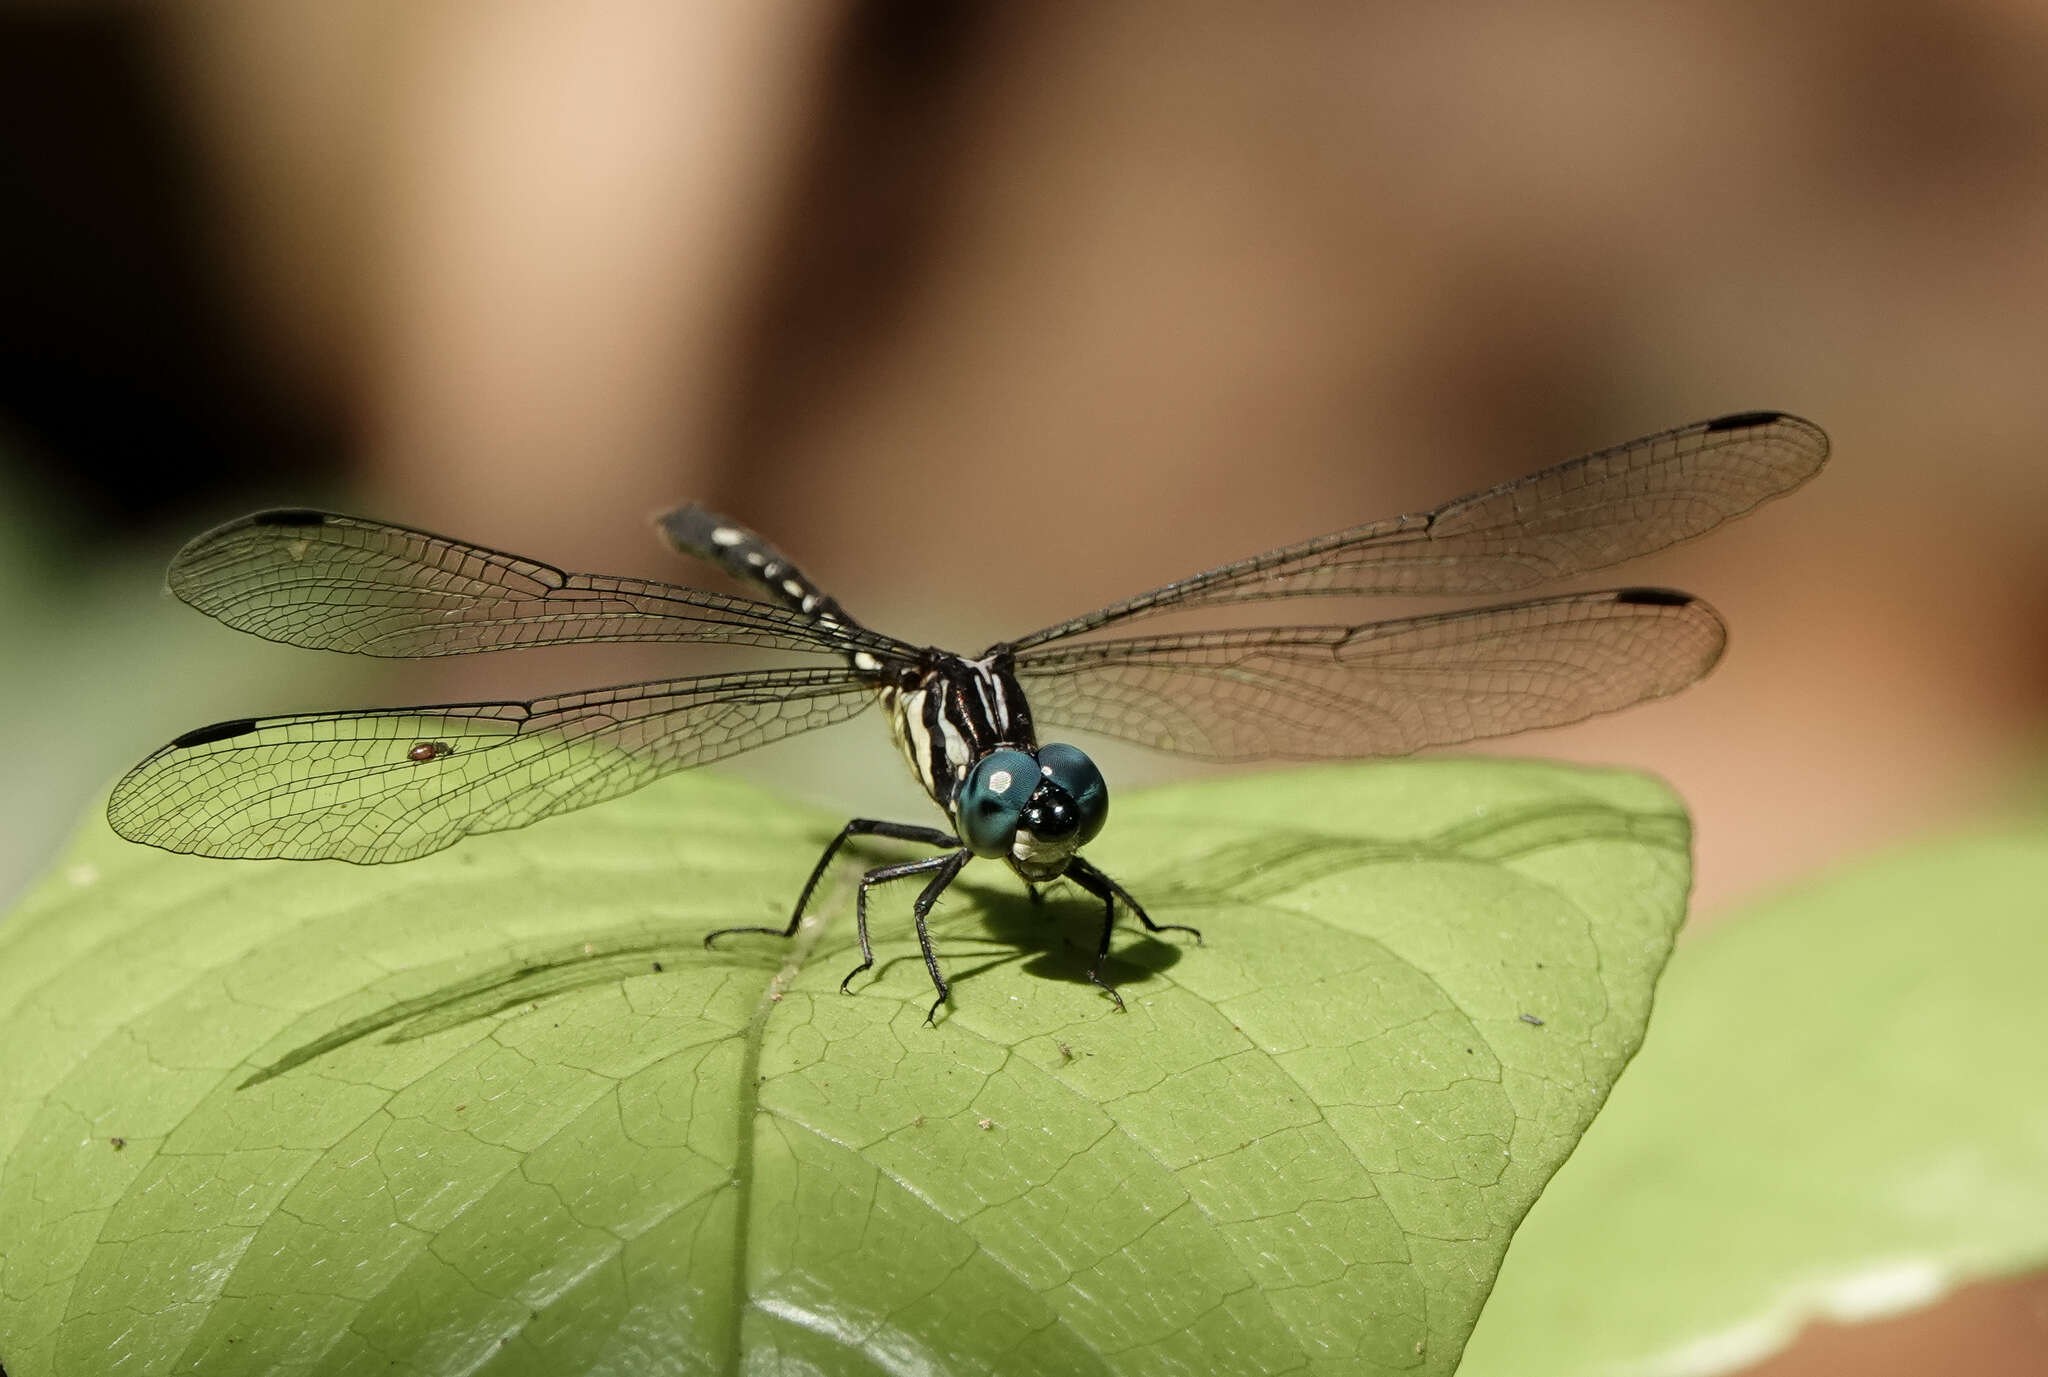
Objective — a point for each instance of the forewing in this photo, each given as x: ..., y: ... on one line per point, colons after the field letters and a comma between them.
x: 1584, y: 514
x: 1383, y: 688
x: 391, y: 784
x: 335, y: 582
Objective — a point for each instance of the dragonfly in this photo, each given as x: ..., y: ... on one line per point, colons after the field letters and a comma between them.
x: 393, y: 784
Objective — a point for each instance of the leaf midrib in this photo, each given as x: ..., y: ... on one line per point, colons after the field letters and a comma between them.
x: 745, y: 1130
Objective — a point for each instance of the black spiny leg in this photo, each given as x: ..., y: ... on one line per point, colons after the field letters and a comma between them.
x: 1109, y: 891
x: 942, y: 869
x: 1078, y: 867
x: 859, y: 827
x: 944, y: 876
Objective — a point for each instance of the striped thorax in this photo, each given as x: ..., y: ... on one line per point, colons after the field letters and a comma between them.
x: 949, y: 712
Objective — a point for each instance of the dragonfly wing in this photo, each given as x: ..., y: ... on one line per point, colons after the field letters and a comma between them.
x: 333, y: 582
x: 1382, y: 688
x: 391, y: 784
x: 1587, y: 513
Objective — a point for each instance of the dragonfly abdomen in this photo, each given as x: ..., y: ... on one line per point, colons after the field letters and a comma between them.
x: 746, y: 556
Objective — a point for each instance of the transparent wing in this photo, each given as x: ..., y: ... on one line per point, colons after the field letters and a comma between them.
x: 335, y: 582
x: 1584, y: 514
x: 390, y: 784
x: 1383, y: 688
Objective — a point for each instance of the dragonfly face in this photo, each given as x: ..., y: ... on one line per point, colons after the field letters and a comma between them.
x: 392, y: 784
x: 1034, y: 811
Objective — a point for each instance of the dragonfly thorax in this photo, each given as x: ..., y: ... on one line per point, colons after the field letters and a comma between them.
x: 947, y: 712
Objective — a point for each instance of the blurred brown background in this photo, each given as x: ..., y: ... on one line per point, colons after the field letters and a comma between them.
x: 990, y: 313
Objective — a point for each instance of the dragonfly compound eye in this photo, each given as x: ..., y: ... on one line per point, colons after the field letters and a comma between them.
x: 992, y: 800
x: 1071, y: 769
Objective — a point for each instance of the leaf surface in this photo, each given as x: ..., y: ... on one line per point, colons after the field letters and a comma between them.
x: 496, y: 1111
x: 1840, y: 1113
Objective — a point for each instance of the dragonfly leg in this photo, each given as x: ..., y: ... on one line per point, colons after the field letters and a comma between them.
x: 859, y: 827
x: 1083, y: 872
x: 1106, y: 890
x: 946, y: 866
x: 949, y: 868
x: 1098, y: 884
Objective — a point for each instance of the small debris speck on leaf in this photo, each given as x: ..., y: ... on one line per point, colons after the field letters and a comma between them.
x: 986, y: 1124
x: 1532, y: 1020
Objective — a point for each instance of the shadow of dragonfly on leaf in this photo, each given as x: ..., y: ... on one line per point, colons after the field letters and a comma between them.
x: 601, y: 959
x: 1054, y: 936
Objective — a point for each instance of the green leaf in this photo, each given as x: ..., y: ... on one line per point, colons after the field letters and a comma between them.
x: 1840, y: 1113
x: 497, y: 1111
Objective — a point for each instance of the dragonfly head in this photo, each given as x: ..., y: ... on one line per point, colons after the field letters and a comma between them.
x: 1033, y: 811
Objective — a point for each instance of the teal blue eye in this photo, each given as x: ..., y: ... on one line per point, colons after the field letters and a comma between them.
x: 992, y: 800
x: 1071, y: 769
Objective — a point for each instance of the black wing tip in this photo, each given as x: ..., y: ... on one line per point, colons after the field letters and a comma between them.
x: 1794, y: 433
x: 288, y: 516
x: 1745, y: 420
x: 218, y: 731
x: 1816, y: 437
x: 1654, y: 597
x: 202, y: 546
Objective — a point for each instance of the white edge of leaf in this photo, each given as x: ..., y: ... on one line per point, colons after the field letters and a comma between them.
x: 1869, y: 1293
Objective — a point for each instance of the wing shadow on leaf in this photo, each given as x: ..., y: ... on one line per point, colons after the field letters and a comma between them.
x: 1054, y: 938
x: 601, y: 959
x: 1273, y: 863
